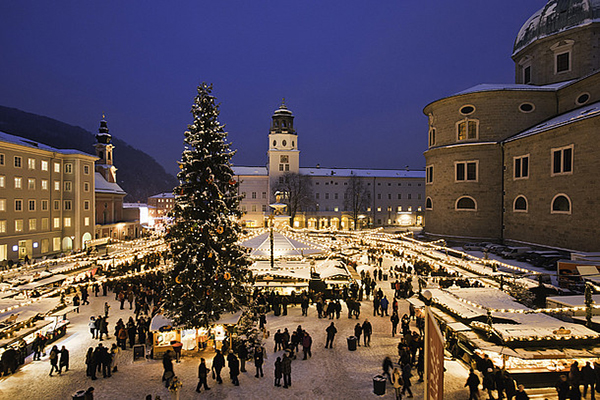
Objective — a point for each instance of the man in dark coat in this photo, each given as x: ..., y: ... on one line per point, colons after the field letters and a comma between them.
x: 234, y: 368
x: 406, y: 375
x: 278, y: 371
x: 473, y: 384
x: 331, y: 331
x: 259, y: 357
x: 357, y: 332
x: 242, y: 352
x: 589, y: 379
x: 306, y: 345
x: 286, y: 369
x: 563, y: 388
x: 202, y: 376
x: 64, y: 359
x: 54, y: 353
x: 168, y: 373
x: 217, y: 365
x: 367, y: 331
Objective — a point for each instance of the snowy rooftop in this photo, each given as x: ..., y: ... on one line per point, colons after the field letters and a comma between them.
x: 250, y: 171
x: 282, y: 246
x: 103, y: 186
x: 6, y: 137
x: 587, y: 111
x: 363, y: 173
x: 327, y: 269
x: 491, y: 87
x: 165, y: 195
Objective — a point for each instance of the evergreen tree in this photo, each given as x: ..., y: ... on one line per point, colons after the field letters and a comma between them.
x: 210, y: 274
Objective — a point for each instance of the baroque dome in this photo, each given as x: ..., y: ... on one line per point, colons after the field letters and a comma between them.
x: 555, y: 17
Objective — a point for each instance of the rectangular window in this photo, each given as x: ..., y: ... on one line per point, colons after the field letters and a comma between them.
x: 68, y: 168
x: 18, y: 225
x: 429, y: 174
x: 31, y: 205
x: 253, y: 207
x: 527, y: 75
x: 86, y: 205
x: 18, y: 162
x: 281, y: 167
x: 57, y: 204
x: 2, y: 204
x: 45, y: 246
x: 562, y: 160
x: 466, y: 171
x: 67, y: 222
x: 2, y: 181
x: 409, y: 196
x: 44, y: 165
x: 467, y: 129
x: 316, y: 195
x: 86, y: 221
x: 31, y: 163
x: 563, y: 63
x: 18, y: 205
x: 335, y: 196
x: 18, y: 183
x: 264, y: 208
x: 56, y: 223
x: 326, y: 196
x: 378, y: 209
x: 57, y: 167
x: 399, y: 196
x: 264, y: 195
x: 399, y: 208
x: 287, y: 167
x: 3, y: 226
x: 44, y: 184
x: 1, y: 159
x: 31, y: 184
x: 56, y: 244
x: 253, y: 195
x: 57, y: 185
x: 86, y: 186
x: 68, y: 186
x: 44, y: 205
x: 521, y: 167
x: 86, y: 169
x: 68, y: 205
x: 32, y: 224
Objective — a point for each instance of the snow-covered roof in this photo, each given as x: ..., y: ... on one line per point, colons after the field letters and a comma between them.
x: 491, y: 87
x: 579, y: 114
x: 261, y: 171
x: 556, y: 17
x: 135, y: 205
x: 168, y: 195
x: 6, y: 137
x: 103, y: 186
x: 363, y: 173
x: 282, y: 246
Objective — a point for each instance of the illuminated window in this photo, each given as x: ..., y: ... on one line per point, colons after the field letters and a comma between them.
x: 57, y: 185
x: 2, y: 204
x: 18, y: 225
x: 18, y: 183
x: 31, y: 184
x: 45, y: 224
x: 2, y: 226
x: 86, y: 221
x: 67, y: 222
x: 44, y: 165
x: 56, y: 223
x: 467, y: 129
x: 2, y: 181
x: 56, y: 244
x: 31, y: 163
x: 32, y: 224
x: 44, y: 184
x: 57, y: 167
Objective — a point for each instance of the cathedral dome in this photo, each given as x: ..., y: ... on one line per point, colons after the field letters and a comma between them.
x: 557, y: 16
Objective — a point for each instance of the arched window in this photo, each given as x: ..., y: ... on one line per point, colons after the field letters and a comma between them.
x: 561, y: 204
x: 429, y: 204
x: 520, y: 204
x: 466, y: 203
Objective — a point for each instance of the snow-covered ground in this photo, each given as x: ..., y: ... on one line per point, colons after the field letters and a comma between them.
x: 330, y: 374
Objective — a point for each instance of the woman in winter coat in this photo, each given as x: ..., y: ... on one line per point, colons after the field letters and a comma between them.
x: 54, y: 360
x: 397, y: 383
x: 278, y: 371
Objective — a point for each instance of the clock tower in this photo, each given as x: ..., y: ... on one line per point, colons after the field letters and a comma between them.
x: 283, y: 153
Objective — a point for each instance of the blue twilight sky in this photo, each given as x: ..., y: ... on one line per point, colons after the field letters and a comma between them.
x: 356, y: 74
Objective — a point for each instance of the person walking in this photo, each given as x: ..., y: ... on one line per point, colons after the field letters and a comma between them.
x: 473, y: 385
x: 217, y: 365
x: 588, y: 377
x: 122, y: 337
x: 387, y: 367
x: 395, y: 319
x: 383, y: 304
x: 367, y: 329
x: 106, y: 309
x: 90, y: 364
x: 259, y: 358
x: 168, y: 373
x: 92, y: 326
x: 331, y: 331
x: 54, y: 360
x: 397, y: 383
x: 234, y: 368
x: 357, y: 332
x: 306, y: 345
x: 278, y: 371
x: 202, y: 376
x: 406, y: 374
x: 64, y: 360
x: 286, y: 369
x: 242, y: 352
x: 37, y: 347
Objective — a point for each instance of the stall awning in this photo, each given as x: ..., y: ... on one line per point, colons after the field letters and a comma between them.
x: 64, y: 311
x: 159, y: 321
x: 43, y: 282
x: 415, y: 302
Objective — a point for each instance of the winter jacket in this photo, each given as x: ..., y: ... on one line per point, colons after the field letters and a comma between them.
x: 278, y: 369
x: 218, y: 361
x: 286, y: 365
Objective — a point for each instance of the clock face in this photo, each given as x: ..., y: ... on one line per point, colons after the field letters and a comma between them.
x: 284, y: 143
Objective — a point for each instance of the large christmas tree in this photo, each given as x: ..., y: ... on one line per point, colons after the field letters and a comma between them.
x: 209, y: 275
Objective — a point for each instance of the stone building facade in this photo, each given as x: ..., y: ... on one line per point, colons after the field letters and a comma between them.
x: 395, y: 197
x: 515, y: 162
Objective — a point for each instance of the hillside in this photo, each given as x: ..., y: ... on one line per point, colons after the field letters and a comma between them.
x: 138, y: 173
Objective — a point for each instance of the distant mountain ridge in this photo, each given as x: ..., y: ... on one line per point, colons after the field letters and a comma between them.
x: 138, y: 173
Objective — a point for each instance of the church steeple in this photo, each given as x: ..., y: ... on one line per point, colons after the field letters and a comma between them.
x: 104, y: 151
x: 283, y: 120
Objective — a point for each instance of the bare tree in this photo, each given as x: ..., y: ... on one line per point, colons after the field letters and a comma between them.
x: 298, y: 194
x: 356, y: 198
